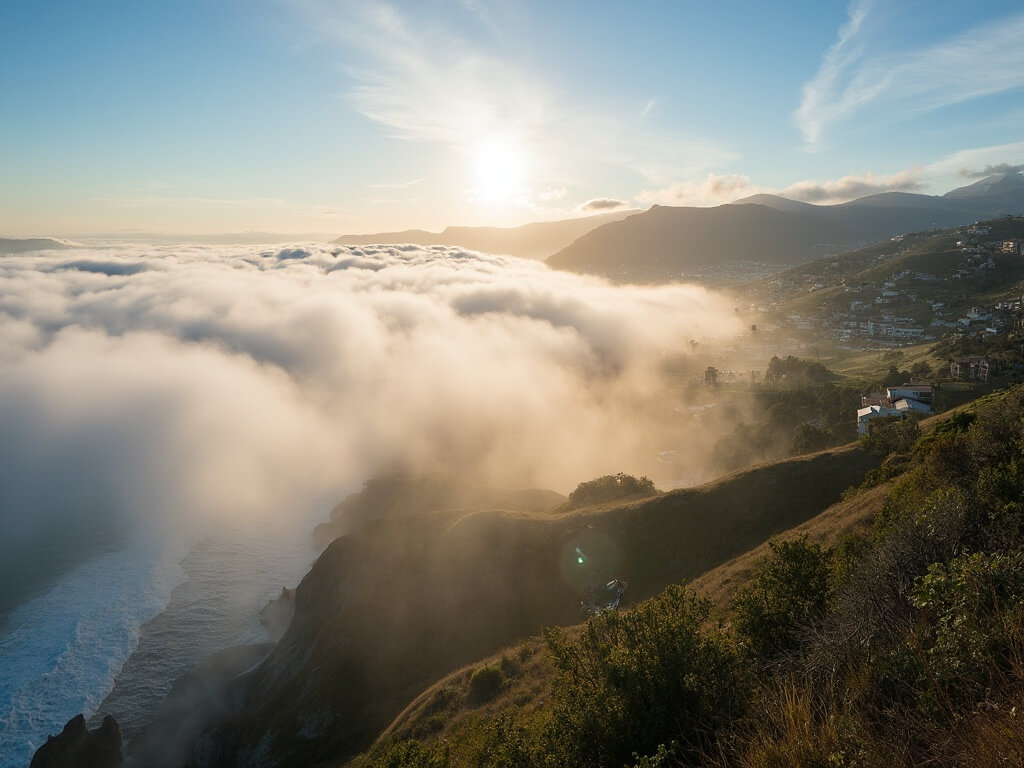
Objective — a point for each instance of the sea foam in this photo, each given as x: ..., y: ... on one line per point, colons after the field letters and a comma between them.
x: 61, y: 651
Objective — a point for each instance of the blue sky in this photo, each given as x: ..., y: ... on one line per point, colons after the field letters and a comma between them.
x: 353, y: 116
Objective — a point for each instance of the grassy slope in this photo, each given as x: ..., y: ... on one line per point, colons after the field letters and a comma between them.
x: 447, y: 712
x: 390, y: 609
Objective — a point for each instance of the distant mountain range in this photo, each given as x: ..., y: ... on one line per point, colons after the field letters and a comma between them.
x: 665, y: 242
x: 29, y: 244
x: 530, y: 241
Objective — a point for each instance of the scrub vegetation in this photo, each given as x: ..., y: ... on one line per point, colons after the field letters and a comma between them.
x: 899, y: 644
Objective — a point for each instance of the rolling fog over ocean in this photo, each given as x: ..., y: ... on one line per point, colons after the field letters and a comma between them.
x: 157, y: 396
x: 347, y: 347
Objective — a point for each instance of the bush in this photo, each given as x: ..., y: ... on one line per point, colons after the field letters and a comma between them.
x: 411, y: 754
x: 885, y: 437
x: 786, y: 597
x: 636, y: 680
x: 485, y: 684
x: 610, y: 488
x: 973, y: 615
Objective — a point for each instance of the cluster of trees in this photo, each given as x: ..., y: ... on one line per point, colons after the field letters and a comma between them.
x: 897, y: 647
x: 794, y: 372
x: 610, y: 488
x: 789, y: 420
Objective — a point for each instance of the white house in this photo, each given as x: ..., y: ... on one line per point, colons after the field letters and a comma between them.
x: 907, y: 405
x: 866, y: 414
x: 921, y: 393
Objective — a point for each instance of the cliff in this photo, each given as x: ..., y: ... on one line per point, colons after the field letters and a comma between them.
x: 399, y: 602
x: 78, y: 747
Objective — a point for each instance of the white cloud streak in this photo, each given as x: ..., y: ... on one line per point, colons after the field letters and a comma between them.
x: 854, y: 76
x: 423, y: 82
x: 717, y: 189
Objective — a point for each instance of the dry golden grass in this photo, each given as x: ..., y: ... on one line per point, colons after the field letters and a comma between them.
x: 444, y: 712
x: 851, y: 515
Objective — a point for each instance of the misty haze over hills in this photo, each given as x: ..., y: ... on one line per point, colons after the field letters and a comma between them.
x: 664, y: 242
x: 536, y: 240
x: 9, y: 245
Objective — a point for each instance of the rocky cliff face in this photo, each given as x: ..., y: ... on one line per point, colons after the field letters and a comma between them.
x: 394, y: 605
x: 78, y: 747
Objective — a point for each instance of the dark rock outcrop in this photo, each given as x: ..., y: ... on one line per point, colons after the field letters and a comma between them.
x: 276, y: 615
x: 209, y: 692
x: 78, y: 747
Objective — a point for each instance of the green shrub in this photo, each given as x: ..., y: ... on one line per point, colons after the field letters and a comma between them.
x: 411, y: 754
x: 638, y: 679
x: 972, y: 630
x: 786, y: 597
x: 610, y: 488
x: 485, y: 684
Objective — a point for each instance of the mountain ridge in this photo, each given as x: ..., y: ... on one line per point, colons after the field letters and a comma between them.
x: 665, y: 243
x: 535, y: 240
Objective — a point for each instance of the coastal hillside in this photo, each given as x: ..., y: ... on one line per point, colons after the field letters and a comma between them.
x: 457, y: 710
x: 401, y: 601
x: 666, y: 243
x: 883, y: 632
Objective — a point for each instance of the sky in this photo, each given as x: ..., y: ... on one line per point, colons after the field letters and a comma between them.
x: 354, y: 116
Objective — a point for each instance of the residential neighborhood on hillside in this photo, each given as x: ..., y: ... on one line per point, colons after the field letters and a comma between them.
x: 914, y: 288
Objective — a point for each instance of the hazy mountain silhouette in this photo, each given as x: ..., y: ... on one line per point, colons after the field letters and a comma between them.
x: 537, y: 240
x: 29, y: 244
x: 999, y: 193
x: 664, y: 242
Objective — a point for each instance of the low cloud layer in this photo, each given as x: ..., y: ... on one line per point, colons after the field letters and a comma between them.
x: 853, y: 187
x: 990, y: 170
x: 181, y: 383
x: 603, y: 204
x: 718, y: 189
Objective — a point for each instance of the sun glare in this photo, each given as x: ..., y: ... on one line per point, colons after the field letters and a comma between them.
x: 499, y: 165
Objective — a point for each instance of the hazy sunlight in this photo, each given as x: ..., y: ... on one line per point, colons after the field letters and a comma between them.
x: 499, y: 167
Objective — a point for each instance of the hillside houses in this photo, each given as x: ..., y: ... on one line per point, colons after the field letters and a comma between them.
x: 895, y: 403
x: 924, y: 291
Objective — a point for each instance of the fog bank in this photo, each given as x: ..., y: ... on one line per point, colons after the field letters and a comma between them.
x: 176, y: 384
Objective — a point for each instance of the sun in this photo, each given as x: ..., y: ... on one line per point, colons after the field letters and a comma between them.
x: 499, y: 169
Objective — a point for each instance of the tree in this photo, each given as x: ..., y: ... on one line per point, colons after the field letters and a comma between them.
x: 921, y: 369
x: 808, y: 438
x: 610, y: 488
x: 711, y: 376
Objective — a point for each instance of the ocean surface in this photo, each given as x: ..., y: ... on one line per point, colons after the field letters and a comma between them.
x: 112, y: 634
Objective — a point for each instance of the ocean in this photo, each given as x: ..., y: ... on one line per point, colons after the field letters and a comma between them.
x: 112, y: 634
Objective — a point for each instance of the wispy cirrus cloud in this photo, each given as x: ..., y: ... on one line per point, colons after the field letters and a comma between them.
x: 396, y: 184
x: 422, y: 80
x: 859, y: 72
